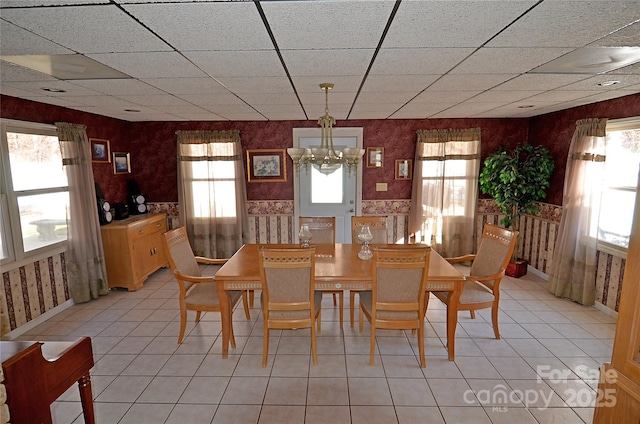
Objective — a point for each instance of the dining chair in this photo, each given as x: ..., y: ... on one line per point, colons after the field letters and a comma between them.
x: 289, y: 299
x: 378, y: 227
x: 323, y: 231
x: 482, y: 285
x: 198, y: 292
x: 396, y: 300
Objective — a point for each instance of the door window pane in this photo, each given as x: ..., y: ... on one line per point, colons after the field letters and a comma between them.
x: 327, y: 188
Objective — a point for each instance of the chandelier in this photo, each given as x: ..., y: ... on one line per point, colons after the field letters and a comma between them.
x: 325, y: 158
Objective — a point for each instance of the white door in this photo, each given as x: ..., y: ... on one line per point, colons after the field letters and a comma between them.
x: 338, y: 194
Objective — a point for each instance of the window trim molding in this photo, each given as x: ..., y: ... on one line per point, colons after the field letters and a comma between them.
x: 18, y: 257
x: 618, y: 125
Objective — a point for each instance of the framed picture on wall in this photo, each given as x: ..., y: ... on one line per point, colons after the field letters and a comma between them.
x: 121, y: 163
x: 375, y: 157
x: 266, y: 165
x: 100, y: 150
x: 403, y: 169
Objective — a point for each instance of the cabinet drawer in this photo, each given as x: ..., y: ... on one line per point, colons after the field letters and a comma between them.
x: 140, y: 231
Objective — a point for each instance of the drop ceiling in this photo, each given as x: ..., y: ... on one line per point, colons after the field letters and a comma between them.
x: 199, y: 60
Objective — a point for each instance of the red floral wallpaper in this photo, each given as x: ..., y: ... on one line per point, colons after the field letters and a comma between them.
x: 153, y: 144
x: 554, y: 130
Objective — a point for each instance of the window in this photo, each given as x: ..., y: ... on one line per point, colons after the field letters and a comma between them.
x: 620, y: 185
x: 444, y: 204
x: 215, y: 180
x: 34, y: 193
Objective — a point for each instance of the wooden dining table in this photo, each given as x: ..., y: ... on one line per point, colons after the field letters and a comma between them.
x: 338, y: 267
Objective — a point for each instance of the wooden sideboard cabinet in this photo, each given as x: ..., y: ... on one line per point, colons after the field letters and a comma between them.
x: 133, y: 249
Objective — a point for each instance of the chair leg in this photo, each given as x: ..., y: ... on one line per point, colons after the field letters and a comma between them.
x: 372, y: 347
x: 423, y: 361
x: 341, y: 298
x: 361, y: 320
x: 352, y: 300
x: 232, y: 338
x: 334, y: 299
x: 198, y: 314
x: 245, y: 303
x: 183, y: 323
x: 265, y: 345
x: 319, y: 320
x: 473, y: 314
x: 251, y: 297
x: 494, y: 320
x: 427, y: 295
x: 314, y: 350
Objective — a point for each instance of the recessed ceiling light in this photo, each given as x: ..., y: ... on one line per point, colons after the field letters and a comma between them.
x: 54, y: 90
x: 525, y: 107
x: 608, y: 83
x: 132, y: 110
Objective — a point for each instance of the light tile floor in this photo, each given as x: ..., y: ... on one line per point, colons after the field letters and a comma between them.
x: 543, y: 370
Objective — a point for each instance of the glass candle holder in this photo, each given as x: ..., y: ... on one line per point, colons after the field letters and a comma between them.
x: 304, y: 235
x: 365, y: 237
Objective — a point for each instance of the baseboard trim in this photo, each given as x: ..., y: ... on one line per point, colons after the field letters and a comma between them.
x: 605, y: 310
x: 37, y: 321
x: 537, y: 272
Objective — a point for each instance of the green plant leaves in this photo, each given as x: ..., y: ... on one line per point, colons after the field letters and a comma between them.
x: 516, y: 179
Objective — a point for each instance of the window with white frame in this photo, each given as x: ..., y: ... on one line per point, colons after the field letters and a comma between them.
x: 620, y: 185
x: 214, y: 180
x: 34, y: 192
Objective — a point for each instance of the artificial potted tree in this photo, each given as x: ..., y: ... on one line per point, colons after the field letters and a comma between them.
x: 517, y: 179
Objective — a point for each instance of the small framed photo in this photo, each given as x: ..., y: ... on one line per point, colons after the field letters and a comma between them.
x: 375, y: 157
x: 264, y: 165
x: 403, y: 169
x: 100, y: 150
x: 121, y: 163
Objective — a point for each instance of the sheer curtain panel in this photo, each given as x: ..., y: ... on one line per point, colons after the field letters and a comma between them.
x: 573, y: 271
x: 86, y: 270
x: 444, y: 195
x: 212, y: 192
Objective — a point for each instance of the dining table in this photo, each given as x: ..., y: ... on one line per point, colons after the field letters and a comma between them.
x: 338, y: 267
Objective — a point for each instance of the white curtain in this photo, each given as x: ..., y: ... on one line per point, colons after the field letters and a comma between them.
x: 573, y: 271
x: 86, y: 271
x: 212, y: 192
x: 444, y: 195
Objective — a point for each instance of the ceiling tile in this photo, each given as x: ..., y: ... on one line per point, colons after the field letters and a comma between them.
x: 105, y: 28
x: 150, y: 64
x: 451, y: 23
x: 327, y: 25
x: 181, y: 86
x: 567, y: 23
x: 12, y: 72
x: 25, y: 42
x: 327, y: 63
x: 528, y: 82
x: 215, y: 60
x: 462, y: 82
x: 35, y: 3
x: 507, y: 60
x: 240, y: 63
x: 118, y: 87
x: 417, y: 61
x: 211, y: 26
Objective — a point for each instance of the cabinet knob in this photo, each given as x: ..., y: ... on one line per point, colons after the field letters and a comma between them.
x: 141, y: 232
